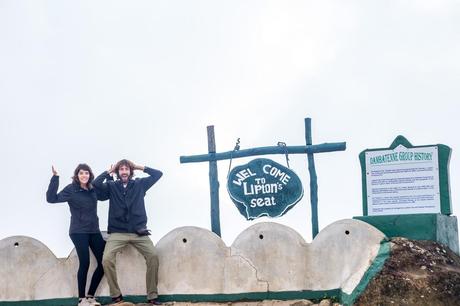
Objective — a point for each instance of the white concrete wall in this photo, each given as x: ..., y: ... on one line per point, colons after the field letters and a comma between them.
x: 264, y: 257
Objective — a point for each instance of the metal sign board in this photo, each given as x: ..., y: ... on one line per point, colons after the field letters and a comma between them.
x: 264, y: 187
x: 406, y: 179
x: 403, y: 181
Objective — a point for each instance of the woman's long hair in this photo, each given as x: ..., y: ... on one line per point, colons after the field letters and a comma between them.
x: 83, y: 167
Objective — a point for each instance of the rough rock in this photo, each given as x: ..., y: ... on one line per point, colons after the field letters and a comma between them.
x: 417, y: 273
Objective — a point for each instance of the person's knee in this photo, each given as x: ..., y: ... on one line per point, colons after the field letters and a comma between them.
x: 151, y: 258
x: 84, y: 265
x: 83, y: 261
x: 108, y: 259
x: 99, y: 265
x: 99, y: 262
x: 99, y: 258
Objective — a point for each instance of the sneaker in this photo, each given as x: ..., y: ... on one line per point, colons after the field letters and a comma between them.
x: 83, y: 302
x: 154, y: 301
x: 92, y: 301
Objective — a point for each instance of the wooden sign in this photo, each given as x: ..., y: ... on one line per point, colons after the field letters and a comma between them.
x: 264, y: 187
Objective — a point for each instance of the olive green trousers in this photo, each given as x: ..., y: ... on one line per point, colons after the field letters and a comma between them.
x: 145, y: 246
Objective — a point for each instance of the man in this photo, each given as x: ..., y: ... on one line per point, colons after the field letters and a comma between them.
x: 128, y: 223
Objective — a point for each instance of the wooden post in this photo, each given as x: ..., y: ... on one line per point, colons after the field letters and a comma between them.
x: 313, y: 180
x: 214, y: 183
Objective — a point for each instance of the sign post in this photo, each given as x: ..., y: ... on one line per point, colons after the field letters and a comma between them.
x: 213, y: 183
x: 313, y: 180
x: 212, y: 157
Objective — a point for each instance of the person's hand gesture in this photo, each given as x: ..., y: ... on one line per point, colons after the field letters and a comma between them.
x: 54, y: 171
x: 132, y: 165
x: 111, y: 169
x: 137, y: 167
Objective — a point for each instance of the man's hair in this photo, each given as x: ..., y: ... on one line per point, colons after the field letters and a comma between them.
x: 83, y: 167
x: 127, y: 163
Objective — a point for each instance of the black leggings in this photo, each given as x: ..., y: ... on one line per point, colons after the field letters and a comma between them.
x: 82, y: 244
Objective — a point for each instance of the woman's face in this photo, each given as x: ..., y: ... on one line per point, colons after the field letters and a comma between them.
x: 83, y: 176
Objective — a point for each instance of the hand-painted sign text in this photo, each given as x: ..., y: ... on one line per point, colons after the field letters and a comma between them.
x: 264, y: 188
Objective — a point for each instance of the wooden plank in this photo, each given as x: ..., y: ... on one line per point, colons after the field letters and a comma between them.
x: 313, y: 180
x: 212, y: 156
x: 213, y: 183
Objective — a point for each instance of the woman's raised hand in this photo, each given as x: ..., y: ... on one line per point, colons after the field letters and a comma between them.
x: 54, y: 171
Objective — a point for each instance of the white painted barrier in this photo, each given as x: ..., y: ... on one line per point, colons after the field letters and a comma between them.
x: 266, y: 257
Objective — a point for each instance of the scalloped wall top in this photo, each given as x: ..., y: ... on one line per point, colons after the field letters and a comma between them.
x: 265, y: 257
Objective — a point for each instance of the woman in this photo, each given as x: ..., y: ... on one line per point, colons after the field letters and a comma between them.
x: 84, y: 226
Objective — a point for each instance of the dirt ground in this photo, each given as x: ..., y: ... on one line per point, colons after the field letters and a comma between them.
x: 417, y: 273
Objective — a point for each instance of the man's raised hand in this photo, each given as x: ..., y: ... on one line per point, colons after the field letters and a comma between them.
x: 138, y: 167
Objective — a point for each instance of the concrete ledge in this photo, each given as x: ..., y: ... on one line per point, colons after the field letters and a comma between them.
x: 266, y: 261
x: 435, y: 227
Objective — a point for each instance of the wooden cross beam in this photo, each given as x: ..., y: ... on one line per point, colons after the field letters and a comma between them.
x: 212, y: 157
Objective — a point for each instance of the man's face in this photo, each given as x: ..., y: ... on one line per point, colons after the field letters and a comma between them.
x: 124, y: 172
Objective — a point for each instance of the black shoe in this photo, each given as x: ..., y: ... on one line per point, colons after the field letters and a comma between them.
x: 154, y: 301
x: 118, y: 299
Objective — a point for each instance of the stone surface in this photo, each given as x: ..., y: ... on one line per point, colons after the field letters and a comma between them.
x: 23, y: 262
x: 435, y: 227
x: 194, y: 261
x: 129, y: 304
x: 403, y: 282
x: 278, y: 253
x: 258, y: 303
x: 325, y: 302
x: 341, y: 253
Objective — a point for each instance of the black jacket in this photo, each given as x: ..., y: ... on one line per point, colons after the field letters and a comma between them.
x: 126, y: 206
x: 82, y: 203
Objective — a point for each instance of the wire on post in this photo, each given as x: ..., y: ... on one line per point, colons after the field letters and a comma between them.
x: 283, y: 145
x: 236, y: 148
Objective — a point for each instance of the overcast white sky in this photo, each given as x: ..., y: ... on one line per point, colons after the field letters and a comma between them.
x: 97, y: 81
